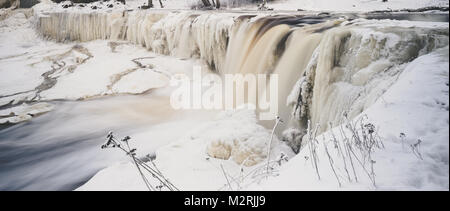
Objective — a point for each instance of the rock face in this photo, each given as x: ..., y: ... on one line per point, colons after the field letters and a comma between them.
x: 8, y: 3
x: 28, y: 3
x: 76, y: 1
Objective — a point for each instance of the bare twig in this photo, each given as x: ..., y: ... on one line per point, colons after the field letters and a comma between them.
x: 416, y: 149
x: 278, y: 121
x: 331, y: 164
x: 164, y: 182
x: 225, y: 174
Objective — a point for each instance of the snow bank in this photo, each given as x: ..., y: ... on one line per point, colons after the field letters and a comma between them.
x: 287, y: 5
x: 353, y: 5
x: 48, y: 6
x: 192, y: 168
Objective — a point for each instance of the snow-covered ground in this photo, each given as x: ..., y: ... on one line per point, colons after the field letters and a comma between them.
x: 354, y: 5
x: 186, y: 162
x: 280, y: 5
x: 313, y: 5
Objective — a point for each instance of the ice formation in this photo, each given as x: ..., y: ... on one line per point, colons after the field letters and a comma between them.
x: 248, y: 143
x: 23, y: 112
x: 335, y: 66
x: 183, y: 35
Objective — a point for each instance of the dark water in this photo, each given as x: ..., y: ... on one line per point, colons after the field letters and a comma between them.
x: 56, y: 151
x: 61, y: 149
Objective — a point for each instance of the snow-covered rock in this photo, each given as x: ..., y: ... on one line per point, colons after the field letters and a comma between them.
x: 23, y: 112
x: 248, y: 142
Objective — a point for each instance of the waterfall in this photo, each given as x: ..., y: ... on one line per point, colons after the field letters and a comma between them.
x: 357, y: 64
x: 183, y: 35
x: 327, y: 66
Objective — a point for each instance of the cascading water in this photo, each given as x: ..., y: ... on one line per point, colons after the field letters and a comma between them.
x: 183, y: 35
x: 326, y: 65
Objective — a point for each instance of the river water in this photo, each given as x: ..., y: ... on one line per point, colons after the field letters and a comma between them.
x: 60, y: 150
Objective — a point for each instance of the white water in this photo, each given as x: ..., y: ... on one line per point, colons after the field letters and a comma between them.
x: 343, y: 66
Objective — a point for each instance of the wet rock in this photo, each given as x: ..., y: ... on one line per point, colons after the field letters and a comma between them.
x: 23, y: 112
x: 28, y: 3
x: 9, y: 3
x: 67, y: 5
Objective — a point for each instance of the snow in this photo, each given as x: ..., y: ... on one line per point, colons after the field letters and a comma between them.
x: 79, y: 70
x: 353, y: 5
x: 197, y: 171
x: 100, y: 76
x: 17, y: 30
x: 234, y: 132
x: 46, y: 6
x: 396, y: 168
x: 367, y: 63
x: 140, y: 81
x: 423, y: 89
x: 236, y: 5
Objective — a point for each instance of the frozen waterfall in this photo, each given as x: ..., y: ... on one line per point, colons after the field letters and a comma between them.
x: 327, y: 65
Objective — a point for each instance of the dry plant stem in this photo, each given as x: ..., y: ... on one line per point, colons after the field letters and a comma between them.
x: 340, y: 151
x: 166, y: 182
x: 362, y: 165
x: 331, y: 164
x: 256, y: 175
x: 160, y: 173
x: 346, y: 144
x: 314, y: 142
x: 312, y: 147
x: 228, y: 181
x: 141, y: 165
x: 147, y: 183
x: 270, y: 143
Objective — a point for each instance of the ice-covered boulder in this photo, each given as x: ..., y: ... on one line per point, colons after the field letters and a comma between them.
x: 236, y: 135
